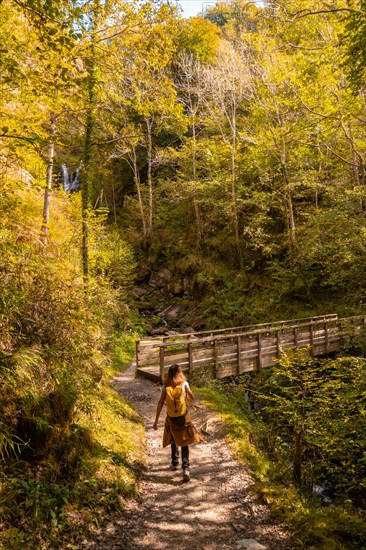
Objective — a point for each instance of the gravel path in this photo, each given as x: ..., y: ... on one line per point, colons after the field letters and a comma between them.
x: 215, y: 510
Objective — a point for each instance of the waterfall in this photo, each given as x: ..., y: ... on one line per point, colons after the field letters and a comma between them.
x: 70, y: 182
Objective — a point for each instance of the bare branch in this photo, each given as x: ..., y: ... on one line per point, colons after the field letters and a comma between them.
x: 114, y: 140
x: 306, y: 12
x: 321, y: 115
x: 28, y: 139
x: 338, y: 156
x: 41, y: 15
x: 303, y: 47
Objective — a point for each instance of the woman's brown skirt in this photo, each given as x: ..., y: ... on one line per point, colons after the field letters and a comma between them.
x: 180, y: 435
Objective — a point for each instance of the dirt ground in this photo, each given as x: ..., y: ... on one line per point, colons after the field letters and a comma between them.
x: 215, y: 510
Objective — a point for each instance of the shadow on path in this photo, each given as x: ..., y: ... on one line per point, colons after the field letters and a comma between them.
x: 215, y: 510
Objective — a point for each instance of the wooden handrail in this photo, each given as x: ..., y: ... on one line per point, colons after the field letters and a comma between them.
x: 248, y: 333
x: 269, y: 324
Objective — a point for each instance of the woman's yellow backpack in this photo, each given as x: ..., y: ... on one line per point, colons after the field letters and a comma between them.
x: 175, y: 401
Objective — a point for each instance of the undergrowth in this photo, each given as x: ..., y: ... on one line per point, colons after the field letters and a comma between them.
x: 71, y: 449
x: 91, y: 468
x: 312, y: 525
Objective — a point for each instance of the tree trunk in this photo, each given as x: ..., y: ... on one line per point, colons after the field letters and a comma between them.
x: 48, y: 190
x: 136, y: 174
x: 357, y: 161
x: 149, y: 125
x: 197, y: 212
x: 234, y: 205
x: 87, y: 167
x: 114, y: 205
x: 289, y: 210
x: 297, y: 468
x: 290, y: 214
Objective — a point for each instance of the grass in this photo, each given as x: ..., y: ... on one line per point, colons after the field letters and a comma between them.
x: 312, y: 526
x: 88, y: 474
x: 71, y: 449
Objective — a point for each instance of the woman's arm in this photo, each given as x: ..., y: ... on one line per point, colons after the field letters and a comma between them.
x: 158, y: 408
x: 190, y: 394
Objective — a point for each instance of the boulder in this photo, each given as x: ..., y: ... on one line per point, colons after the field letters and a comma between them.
x: 159, y: 331
x: 161, y: 278
x: 139, y: 291
x: 174, y: 311
x: 250, y: 544
x: 178, y: 285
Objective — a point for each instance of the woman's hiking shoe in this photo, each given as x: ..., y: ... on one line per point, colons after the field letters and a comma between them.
x: 174, y: 466
x: 186, y: 476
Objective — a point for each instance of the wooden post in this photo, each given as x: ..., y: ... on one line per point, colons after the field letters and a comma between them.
x: 137, y: 353
x: 296, y: 336
x: 238, y: 343
x: 278, y: 353
x: 162, y: 357
x: 326, y: 337
x: 259, y: 342
x: 190, y: 359
x: 216, y: 358
x: 340, y: 333
x: 311, y: 328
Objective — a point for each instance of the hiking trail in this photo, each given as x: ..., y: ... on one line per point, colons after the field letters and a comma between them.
x: 216, y: 510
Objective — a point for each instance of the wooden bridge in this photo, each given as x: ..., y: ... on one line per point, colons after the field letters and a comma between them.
x: 236, y: 350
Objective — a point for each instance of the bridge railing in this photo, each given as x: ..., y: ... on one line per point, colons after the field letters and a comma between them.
x: 226, y: 354
x: 148, y: 350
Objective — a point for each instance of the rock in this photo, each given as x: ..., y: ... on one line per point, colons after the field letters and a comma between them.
x: 187, y: 330
x: 178, y: 285
x: 324, y: 494
x: 175, y: 286
x: 250, y: 544
x: 173, y: 312
x: 143, y: 272
x: 211, y: 425
x: 161, y: 278
x: 159, y: 331
x: 139, y: 291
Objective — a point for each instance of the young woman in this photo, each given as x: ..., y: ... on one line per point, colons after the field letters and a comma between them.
x: 178, y: 430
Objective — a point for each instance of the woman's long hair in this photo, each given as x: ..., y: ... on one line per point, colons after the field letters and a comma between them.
x: 174, y: 376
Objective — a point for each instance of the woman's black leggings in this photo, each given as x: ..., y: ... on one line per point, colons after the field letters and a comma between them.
x: 175, y: 455
x: 180, y: 421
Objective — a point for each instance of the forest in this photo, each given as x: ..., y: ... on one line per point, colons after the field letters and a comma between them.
x: 166, y: 174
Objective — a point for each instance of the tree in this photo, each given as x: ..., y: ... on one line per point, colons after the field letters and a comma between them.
x: 354, y: 41
x: 198, y: 38
x: 143, y: 100
x: 37, y: 73
x: 191, y: 95
x: 102, y: 22
x: 318, y: 404
x: 228, y: 85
